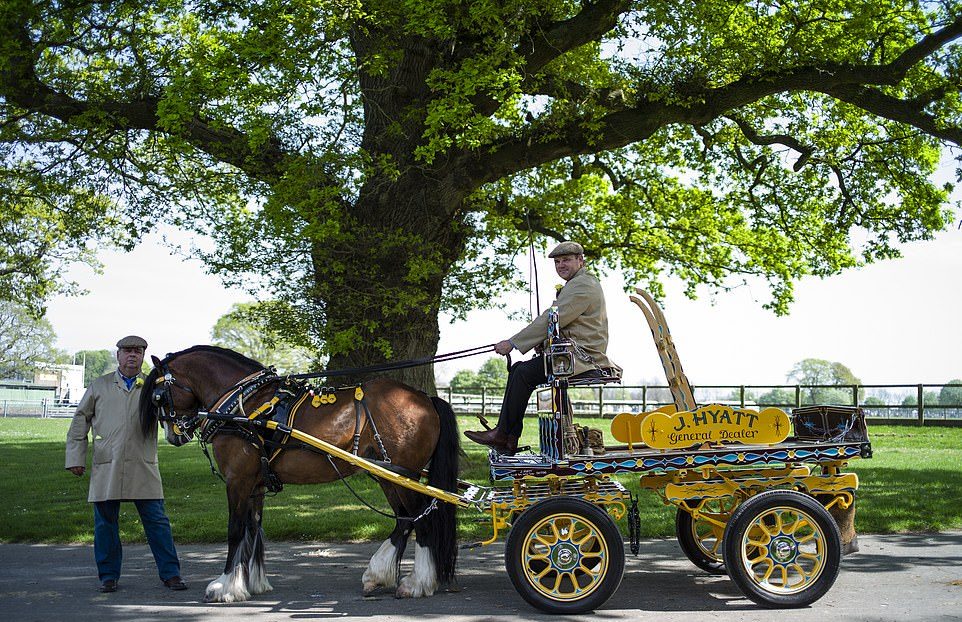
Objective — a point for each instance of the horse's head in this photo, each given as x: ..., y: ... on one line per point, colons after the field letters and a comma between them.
x: 170, y: 401
x: 180, y: 388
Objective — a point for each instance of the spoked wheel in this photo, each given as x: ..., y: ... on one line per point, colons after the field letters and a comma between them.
x: 565, y: 555
x: 782, y: 549
x: 701, y: 538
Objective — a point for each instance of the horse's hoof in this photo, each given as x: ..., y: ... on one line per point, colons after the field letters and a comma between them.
x: 850, y: 547
x: 225, y: 589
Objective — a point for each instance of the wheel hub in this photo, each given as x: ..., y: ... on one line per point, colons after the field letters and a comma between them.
x: 783, y: 549
x: 564, y: 556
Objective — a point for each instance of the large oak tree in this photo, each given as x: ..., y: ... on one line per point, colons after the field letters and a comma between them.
x: 368, y: 163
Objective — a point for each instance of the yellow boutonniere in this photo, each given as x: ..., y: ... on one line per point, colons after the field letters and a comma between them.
x: 139, y: 381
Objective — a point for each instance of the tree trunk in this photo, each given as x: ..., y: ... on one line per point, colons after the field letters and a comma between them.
x: 385, y: 306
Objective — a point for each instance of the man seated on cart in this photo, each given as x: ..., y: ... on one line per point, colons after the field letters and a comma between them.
x: 583, y: 320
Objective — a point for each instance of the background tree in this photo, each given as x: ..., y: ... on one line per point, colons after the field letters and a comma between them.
x: 245, y: 329
x: 364, y: 157
x: 929, y: 398
x: 493, y: 373
x: 777, y: 397
x: 951, y: 393
x: 46, y: 225
x: 26, y: 342
x: 822, y: 372
x: 96, y: 363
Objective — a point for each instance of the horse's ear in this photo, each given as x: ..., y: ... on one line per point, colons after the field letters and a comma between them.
x: 155, y: 361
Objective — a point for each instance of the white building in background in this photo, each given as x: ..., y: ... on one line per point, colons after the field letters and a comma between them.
x: 67, y: 381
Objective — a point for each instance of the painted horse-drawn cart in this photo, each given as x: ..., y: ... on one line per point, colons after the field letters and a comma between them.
x: 760, y: 495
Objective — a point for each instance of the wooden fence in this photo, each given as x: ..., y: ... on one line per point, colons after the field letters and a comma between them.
x: 916, y: 404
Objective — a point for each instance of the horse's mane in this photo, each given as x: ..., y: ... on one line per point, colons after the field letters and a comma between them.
x: 231, y: 354
x: 148, y: 410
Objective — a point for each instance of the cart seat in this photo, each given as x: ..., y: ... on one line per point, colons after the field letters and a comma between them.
x: 608, y: 375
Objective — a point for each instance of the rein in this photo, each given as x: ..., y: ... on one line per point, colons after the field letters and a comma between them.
x: 371, y: 369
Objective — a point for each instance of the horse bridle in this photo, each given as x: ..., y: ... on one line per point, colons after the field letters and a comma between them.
x: 163, y: 400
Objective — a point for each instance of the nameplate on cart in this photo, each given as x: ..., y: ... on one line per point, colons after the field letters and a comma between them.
x: 715, y: 424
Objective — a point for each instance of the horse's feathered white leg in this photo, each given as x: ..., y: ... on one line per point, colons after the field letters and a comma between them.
x: 382, y: 569
x: 230, y: 587
x: 247, y: 575
x: 423, y: 580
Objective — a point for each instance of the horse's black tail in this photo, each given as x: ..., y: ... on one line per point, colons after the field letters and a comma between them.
x: 444, y: 475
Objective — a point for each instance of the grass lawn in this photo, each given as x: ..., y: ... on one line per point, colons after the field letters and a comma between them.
x: 914, y: 483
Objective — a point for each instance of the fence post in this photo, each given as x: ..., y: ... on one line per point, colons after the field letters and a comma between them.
x: 601, y: 402
x: 921, y: 405
x: 855, y: 395
x: 43, y: 407
x: 644, y: 398
x: 450, y: 395
x: 741, y: 396
x: 798, y: 396
x: 484, y: 400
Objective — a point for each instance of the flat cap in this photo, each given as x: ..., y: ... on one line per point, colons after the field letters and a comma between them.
x: 567, y: 248
x: 132, y: 341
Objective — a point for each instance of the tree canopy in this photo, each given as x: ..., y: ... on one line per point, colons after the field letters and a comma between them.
x: 244, y: 329
x: 368, y: 164
x: 26, y: 342
x: 96, y: 363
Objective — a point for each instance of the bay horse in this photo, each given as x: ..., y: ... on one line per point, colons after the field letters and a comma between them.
x: 414, y: 430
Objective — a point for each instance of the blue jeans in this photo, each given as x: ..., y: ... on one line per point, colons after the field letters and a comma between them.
x: 108, y: 550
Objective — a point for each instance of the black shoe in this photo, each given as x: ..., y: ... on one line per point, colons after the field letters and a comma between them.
x: 175, y: 583
x: 110, y: 585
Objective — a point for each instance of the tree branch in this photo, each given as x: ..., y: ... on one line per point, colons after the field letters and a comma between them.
x: 774, y: 139
x: 620, y: 128
x: 548, y: 42
x: 904, y: 111
x: 20, y: 85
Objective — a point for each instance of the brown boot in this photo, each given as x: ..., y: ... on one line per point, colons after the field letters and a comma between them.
x: 495, y: 439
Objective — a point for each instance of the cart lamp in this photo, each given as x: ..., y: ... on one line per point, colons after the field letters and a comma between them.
x: 559, y: 359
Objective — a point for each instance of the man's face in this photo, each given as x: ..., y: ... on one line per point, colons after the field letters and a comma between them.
x: 567, y: 265
x: 130, y: 360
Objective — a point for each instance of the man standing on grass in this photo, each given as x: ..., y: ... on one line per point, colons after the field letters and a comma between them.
x: 124, y: 467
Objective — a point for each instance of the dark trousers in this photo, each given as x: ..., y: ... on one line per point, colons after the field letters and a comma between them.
x: 108, y: 550
x: 523, y: 379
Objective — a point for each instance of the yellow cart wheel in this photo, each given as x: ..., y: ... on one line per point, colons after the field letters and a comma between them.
x: 701, y: 539
x: 782, y: 549
x: 565, y: 555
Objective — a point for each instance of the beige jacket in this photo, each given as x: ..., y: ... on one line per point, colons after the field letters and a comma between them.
x: 583, y: 320
x: 124, y: 462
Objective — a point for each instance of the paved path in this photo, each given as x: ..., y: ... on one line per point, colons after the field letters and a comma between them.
x: 896, y: 578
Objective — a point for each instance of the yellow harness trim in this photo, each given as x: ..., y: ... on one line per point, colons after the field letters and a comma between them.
x: 263, y: 408
x: 358, y: 394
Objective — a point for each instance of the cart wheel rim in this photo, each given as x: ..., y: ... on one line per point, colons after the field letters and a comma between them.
x: 783, y: 551
x: 708, y: 538
x: 707, y: 530
x: 565, y: 557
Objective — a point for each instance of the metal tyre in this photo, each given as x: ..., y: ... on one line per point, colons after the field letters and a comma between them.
x: 565, y: 555
x: 701, y: 540
x: 782, y: 549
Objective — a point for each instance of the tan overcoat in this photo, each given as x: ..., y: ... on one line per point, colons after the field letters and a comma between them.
x: 583, y: 320
x: 124, y: 461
